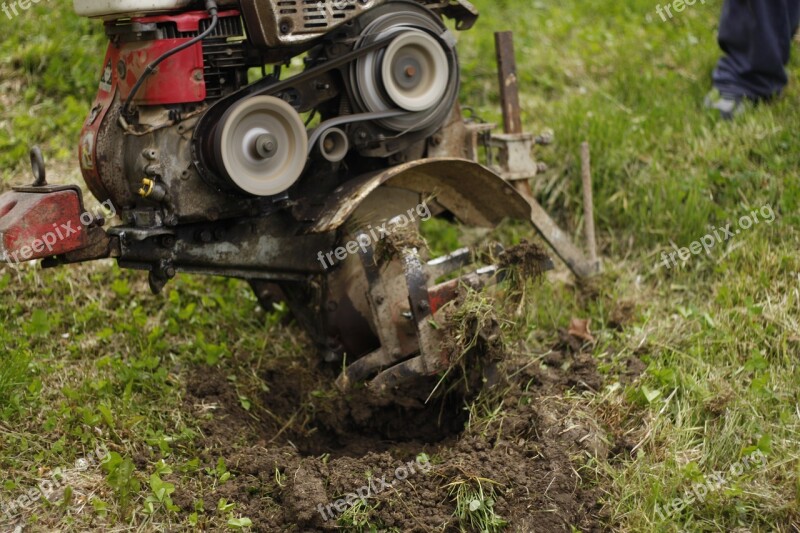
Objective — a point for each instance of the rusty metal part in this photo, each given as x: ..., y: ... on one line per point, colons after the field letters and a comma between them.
x: 263, y: 247
x: 484, y: 200
x: 431, y: 359
x: 473, y: 193
x: 392, y: 296
x: 458, y: 138
x: 509, y: 82
x: 517, y: 163
x: 515, y: 160
x: 405, y: 316
x: 560, y: 241
x: 512, y: 116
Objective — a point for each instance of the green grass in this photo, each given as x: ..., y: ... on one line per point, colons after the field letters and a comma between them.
x: 50, y: 62
x: 89, y: 356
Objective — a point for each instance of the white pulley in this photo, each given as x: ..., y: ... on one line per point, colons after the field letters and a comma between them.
x: 262, y: 144
x: 415, y: 71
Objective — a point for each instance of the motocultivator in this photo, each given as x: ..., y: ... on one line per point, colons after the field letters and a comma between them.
x: 280, y: 142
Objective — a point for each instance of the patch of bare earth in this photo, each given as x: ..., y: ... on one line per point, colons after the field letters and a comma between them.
x: 310, y: 449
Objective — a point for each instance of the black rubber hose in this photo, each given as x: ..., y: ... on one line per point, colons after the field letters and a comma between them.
x: 211, y: 7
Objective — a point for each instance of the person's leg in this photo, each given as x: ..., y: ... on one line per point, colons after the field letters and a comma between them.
x: 756, y: 36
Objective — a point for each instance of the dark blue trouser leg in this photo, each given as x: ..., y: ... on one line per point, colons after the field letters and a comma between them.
x: 756, y: 36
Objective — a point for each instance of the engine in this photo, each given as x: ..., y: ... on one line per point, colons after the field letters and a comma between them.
x: 207, y: 114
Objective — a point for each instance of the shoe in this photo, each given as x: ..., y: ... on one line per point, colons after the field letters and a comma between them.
x: 728, y: 105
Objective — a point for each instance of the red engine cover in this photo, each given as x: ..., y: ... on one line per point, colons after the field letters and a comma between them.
x: 178, y: 79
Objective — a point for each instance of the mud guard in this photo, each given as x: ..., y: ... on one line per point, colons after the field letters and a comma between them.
x: 474, y: 194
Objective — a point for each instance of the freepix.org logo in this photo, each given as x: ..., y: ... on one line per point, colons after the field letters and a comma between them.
x: 59, y: 232
x: 12, y: 9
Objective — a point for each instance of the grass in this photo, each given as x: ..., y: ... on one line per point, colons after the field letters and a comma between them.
x: 474, y: 499
x: 88, y: 356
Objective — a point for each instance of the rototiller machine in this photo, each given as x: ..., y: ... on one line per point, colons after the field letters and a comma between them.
x: 281, y: 142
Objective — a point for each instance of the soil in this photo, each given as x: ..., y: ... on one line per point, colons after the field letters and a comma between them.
x: 313, y: 446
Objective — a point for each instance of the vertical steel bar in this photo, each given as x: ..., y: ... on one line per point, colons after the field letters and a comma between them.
x: 509, y: 91
x: 509, y: 83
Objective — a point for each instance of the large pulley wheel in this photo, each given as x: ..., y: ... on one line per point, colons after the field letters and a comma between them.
x: 261, y: 145
x: 417, y: 72
x: 414, y: 71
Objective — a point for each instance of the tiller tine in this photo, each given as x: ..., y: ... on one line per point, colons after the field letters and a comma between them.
x: 405, y: 307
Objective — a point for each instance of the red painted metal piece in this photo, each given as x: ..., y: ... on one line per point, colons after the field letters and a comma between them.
x: 37, y: 225
x: 87, y: 149
x: 442, y: 294
x: 179, y: 79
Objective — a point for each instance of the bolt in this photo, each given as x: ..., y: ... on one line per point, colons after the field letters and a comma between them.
x: 168, y: 241
x: 206, y: 236
x: 266, y: 145
x: 170, y: 272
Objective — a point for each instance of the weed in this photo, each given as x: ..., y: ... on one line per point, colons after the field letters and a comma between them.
x: 357, y: 518
x: 475, y: 499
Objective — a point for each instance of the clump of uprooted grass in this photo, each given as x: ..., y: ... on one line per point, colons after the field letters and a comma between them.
x: 474, y: 498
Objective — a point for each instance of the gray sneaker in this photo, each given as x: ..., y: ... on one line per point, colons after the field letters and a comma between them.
x: 728, y: 105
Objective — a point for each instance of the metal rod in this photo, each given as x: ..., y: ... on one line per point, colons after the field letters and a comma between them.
x: 509, y: 92
x: 588, y: 202
x: 509, y: 83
